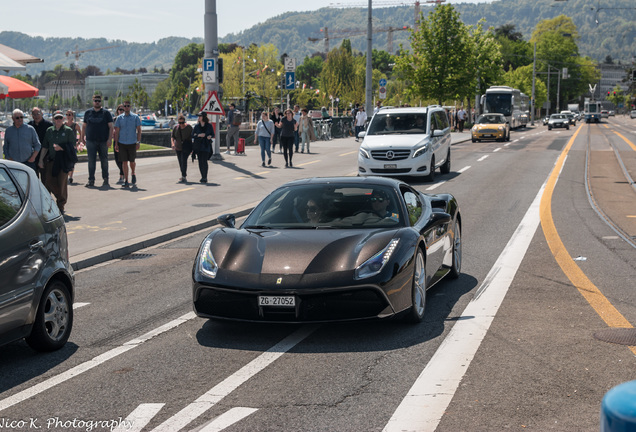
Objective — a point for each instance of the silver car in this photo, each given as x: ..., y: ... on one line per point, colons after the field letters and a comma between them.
x: 36, y: 277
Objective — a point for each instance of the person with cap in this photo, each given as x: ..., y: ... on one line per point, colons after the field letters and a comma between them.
x: 58, y: 158
x: 127, y: 141
x: 21, y: 143
x: 98, y: 131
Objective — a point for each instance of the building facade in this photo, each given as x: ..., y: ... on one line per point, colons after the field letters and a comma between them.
x: 114, y: 88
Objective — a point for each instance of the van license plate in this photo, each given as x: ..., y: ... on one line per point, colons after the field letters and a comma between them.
x: 390, y: 166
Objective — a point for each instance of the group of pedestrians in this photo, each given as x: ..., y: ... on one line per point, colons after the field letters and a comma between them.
x: 197, y: 141
x: 50, y: 148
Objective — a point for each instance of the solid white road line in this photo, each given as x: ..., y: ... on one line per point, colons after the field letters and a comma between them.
x: 228, y: 419
x: 429, y: 397
x: 90, y: 364
x: 482, y: 158
x: 139, y: 418
x: 231, y: 383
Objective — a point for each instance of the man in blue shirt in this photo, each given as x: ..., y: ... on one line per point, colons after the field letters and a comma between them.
x: 21, y: 143
x: 127, y: 139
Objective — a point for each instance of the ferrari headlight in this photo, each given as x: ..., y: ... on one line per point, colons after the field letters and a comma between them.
x: 420, y: 150
x: 364, y: 153
x: 207, y: 264
x: 375, y: 264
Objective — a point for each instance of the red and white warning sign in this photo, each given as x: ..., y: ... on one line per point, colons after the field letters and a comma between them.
x: 212, y: 105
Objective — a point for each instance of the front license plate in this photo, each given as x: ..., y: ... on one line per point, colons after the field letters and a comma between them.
x: 284, y: 301
x: 390, y: 166
x: 487, y: 136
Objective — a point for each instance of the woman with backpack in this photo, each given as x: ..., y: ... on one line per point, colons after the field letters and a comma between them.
x: 265, y: 131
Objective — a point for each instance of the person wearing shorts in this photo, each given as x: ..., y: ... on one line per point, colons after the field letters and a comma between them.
x: 127, y: 140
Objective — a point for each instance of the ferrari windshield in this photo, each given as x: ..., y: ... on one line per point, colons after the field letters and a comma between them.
x: 315, y: 206
x: 397, y: 123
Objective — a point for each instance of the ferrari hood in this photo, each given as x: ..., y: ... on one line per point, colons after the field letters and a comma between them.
x: 291, y: 251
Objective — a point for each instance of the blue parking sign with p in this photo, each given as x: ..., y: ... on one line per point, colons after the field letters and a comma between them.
x: 208, y: 65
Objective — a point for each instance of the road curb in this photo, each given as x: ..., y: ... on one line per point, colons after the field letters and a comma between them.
x: 119, y: 250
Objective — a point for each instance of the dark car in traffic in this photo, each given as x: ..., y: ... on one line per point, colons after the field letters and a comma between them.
x: 330, y: 249
x: 36, y: 278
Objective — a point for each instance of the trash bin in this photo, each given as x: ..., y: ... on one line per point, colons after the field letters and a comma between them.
x: 618, y: 409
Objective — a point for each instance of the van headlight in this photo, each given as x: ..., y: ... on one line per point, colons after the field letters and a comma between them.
x: 365, y: 153
x: 207, y: 263
x: 420, y: 151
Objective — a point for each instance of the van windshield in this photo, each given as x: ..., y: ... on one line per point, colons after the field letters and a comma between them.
x: 394, y: 123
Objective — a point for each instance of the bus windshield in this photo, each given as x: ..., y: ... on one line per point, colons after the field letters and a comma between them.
x: 499, y: 103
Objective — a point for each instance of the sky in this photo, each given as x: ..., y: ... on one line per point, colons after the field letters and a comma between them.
x: 149, y: 21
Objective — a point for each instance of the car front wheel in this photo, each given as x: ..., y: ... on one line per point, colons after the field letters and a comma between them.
x: 445, y: 169
x: 418, y: 290
x: 457, y: 252
x: 54, y: 319
x: 431, y: 175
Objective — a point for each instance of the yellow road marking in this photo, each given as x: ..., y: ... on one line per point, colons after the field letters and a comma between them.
x: 631, y: 144
x: 309, y: 163
x: 631, y: 216
x: 347, y: 154
x: 164, y: 194
x: 588, y: 290
x: 250, y: 176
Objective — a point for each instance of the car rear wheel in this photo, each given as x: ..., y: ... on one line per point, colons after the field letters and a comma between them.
x: 457, y: 252
x: 54, y: 319
x: 445, y: 169
x: 431, y: 175
x: 418, y: 289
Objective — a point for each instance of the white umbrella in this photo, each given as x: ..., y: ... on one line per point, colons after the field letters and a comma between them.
x: 8, y: 64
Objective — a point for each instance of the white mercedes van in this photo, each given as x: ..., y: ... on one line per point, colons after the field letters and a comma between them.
x: 406, y: 142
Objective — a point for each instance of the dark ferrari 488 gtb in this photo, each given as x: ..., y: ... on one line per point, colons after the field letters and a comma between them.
x: 330, y: 249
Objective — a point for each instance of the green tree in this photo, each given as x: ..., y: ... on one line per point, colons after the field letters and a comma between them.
x: 138, y: 95
x: 440, y: 63
x: 382, y: 61
x: 343, y: 75
x: 309, y: 71
x: 160, y: 95
x: 521, y: 78
x: 486, y: 56
x: 515, y: 51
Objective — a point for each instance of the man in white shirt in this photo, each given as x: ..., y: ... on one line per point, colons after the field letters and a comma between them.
x: 361, y: 119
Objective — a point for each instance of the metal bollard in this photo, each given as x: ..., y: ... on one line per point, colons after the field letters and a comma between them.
x: 618, y: 408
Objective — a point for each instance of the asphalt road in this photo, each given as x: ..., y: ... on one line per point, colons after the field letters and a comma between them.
x: 509, y: 345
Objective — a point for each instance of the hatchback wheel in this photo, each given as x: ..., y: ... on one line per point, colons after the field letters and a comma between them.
x: 54, y: 319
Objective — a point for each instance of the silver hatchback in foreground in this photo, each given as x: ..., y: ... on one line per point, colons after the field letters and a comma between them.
x: 36, y: 277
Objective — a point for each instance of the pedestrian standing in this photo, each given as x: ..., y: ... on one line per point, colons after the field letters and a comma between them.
x: 127, y: 142
x: 265, y: 131
x: 21, y: 143
x: 233, y: 125
x: 306, y: 128
x: 288, y: 126
x: 361, y: 119
x: 297, y: 115
x: 182, y: 145
x: 461, y: 118
x: 276, y: 117
x: 203, y: 133
x: 58, y: 158
x: 120, y: 111
x: 40, y: 124
x: 98, y: 130
x: 70, y: 122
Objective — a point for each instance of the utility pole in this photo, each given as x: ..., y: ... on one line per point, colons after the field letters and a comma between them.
x: 368, y: 107
x: 211, y: 50
x: 534, y: 77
